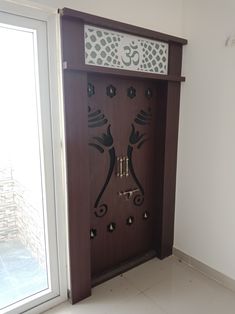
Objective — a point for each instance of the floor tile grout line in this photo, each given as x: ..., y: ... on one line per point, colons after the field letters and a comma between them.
x: 153, y: 285
x: 204, y: 274
x: 155, y: 302
x: 130, y: 283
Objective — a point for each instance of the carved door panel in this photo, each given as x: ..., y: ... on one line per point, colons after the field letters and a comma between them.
x: 122, y: 133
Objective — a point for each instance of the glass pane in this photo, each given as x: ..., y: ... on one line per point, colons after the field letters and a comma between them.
x: 23, y: 258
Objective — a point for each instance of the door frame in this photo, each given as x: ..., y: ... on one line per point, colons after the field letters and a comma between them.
x: 53, y: 72
x: 75, y: 73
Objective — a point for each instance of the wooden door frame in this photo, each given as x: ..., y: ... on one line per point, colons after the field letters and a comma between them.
x: 75, y: 102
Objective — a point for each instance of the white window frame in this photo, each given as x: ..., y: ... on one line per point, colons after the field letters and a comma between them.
x: 50, y: 16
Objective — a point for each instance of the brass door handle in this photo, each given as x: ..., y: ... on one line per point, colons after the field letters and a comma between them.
x: 126, y: 166
x: 122, y: 167
x: 118, y: 166
x: 128, y: 194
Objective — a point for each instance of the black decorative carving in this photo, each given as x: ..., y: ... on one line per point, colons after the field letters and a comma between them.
x: 97, y: 124
x: 138, y: 199
x: 112, y: 158
x: 143, y: 118
x: 93, y: 233
x: 130, y: 220
x: 100, y: 149
x: 90, y: 89
x: 111, y: 91
x: 147, y: 114
x: 135, y: 136
x: 101, y: 210
x: 104, y: 141
x: 131, y: 92
x: 145, y: 215
x: 93, y: 114
x: 111, y: 227
x: 96, y: 119
x: 142, y: 142
x: 149, y: 93
x: 138, y: 139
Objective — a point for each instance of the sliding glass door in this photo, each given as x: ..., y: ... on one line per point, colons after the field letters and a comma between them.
x: 28, y: 240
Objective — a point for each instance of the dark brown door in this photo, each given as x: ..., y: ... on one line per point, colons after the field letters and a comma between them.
x: 122, y: 149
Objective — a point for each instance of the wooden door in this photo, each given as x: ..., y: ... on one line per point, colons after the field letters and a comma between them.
x: 122, y: 154
x: 93, y: 184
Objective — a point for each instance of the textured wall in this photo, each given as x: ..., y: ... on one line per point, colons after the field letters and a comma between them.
x: 8, y: 224
x: 30, y: 223
x: 19, y: 219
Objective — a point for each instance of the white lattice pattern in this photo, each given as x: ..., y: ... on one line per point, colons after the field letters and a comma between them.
x: 118, y: 50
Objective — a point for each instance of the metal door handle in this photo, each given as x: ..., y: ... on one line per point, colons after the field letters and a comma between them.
x: 128, y: 194
x: 122, y: 167
x: 127, y: 166
x: 118, y: 166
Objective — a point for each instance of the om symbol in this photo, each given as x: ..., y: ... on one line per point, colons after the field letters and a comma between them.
x: 131, y: 55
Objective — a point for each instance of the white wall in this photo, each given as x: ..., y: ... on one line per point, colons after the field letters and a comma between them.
x: 205, y: 206
x: 161, y: 15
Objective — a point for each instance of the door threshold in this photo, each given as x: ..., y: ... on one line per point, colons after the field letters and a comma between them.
x: 123, y: 267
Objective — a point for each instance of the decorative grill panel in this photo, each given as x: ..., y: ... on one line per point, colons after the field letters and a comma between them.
x: 112, y: 49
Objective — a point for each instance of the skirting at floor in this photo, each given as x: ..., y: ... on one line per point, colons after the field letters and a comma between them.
x: 206, y: 270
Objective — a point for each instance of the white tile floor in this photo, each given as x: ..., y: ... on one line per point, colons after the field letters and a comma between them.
x: 156, y: 287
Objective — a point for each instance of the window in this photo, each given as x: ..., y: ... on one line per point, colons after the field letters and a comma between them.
x: 30, y: 264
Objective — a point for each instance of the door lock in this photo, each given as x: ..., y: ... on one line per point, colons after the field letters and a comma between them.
x: 128, y: 194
